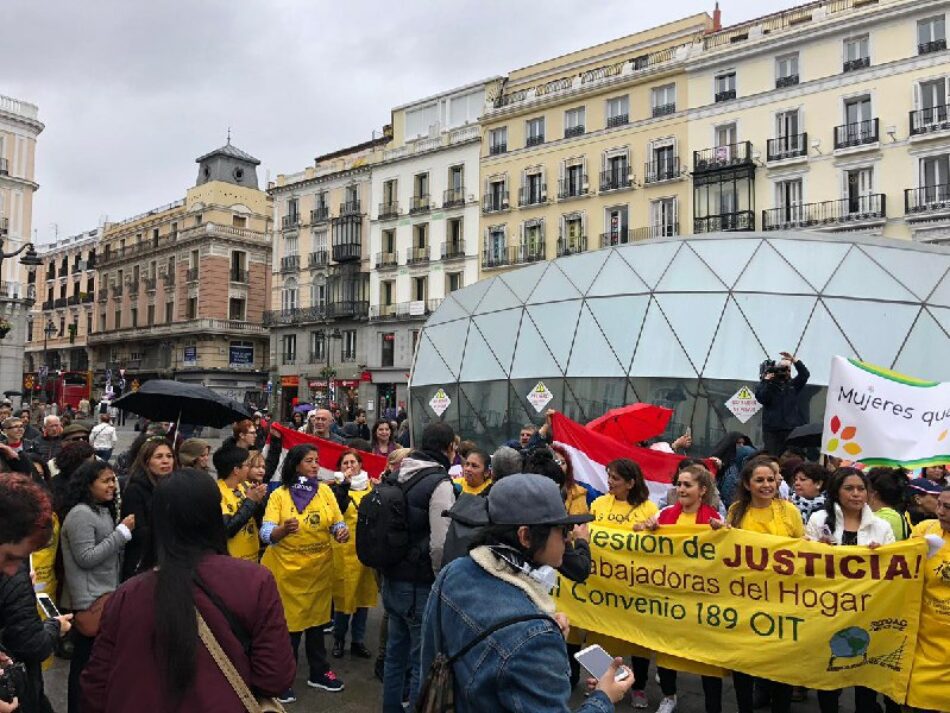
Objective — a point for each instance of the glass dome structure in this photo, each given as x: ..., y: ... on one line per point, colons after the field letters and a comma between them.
x: 682, y: 322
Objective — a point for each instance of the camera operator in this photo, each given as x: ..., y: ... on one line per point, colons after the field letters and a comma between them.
x: 778, y: 393
x: 26, y: 521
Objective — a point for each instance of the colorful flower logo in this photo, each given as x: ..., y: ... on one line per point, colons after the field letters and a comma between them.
x: 844, y: 437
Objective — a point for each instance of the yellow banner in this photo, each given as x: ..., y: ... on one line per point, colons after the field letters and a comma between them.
x: 787, y: 610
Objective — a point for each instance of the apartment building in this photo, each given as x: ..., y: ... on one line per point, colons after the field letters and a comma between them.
x: 63, y: 290
x: 587, y: 150
x: 830, y: 116
x: 424, y: 229
x: 320, y: 296
x: 183, y: 288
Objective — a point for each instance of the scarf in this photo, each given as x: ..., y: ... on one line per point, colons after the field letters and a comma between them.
x: 359, y: 482
x: 669, y: 515
x: 303, y: 491
x: 808, y: 506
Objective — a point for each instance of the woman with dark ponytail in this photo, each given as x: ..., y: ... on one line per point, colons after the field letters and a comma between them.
x: 148, y: 655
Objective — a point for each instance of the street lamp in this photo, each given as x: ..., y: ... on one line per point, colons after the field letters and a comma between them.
x: 328, y: 372
x: 31, y: 260
x: 48, y: 331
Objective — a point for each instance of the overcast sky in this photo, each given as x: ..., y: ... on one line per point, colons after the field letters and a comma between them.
x: 132, y: 91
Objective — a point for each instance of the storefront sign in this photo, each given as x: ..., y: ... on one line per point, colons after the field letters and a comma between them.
x: 240, y: 356
x: 291, y: 380
x: 440, y: 402
x: 540, y: 397
x: 743, y: 404
x: 190, y: 356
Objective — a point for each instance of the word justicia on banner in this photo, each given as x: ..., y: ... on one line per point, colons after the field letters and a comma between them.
x: 751, y: 602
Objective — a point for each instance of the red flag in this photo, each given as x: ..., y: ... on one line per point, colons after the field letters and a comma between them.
x: 330, y: 452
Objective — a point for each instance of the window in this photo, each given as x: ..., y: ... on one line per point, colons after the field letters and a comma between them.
x: 288, y: 295
x: 291, y: 246
x: 616, y: 171
x: 135, y: 317
x: 934, y: 182
x: 194, y: 259
x: 236, y: 308
x: 859, y: 186
x: 574, y: 181
x: 663, y: 218
x: 415, y: 339
x: 420, y: 185
x: 318, y: 343
x: 857, y: 53
x: 663, y: 99
x: 192, y: 310
x: 534, y: 131
x: 725, y: 86
x: 349, y: 345
x: 534, y: 188
x: 118, y: 319
x: 238, y: 266
x: 532, y: 241
x: 387, y: 292
x: 149, y: 317
x: 726, y: 135
x: 615, y: 222
x: 574, y: 122
x: 293, y: 211
x: 859, y: 126
x: 320, y: 240
x: 456, y: 178
x: 456, y: 241
x: 931, y: 35
x: 102, y: 322
x: 496, y: 248
x: 389, y: 241
x: 29, y: 330
x: 572, y: 238
x: 497, y: 195
x: 618, y: 111
x: 788, y: 200
x: 289, y: 348
x: 786, y: 70
x: 664, y: 165
x: 387, y: 349
x: 390, y: 195
x: 453, y: 281
x: 932, y: 111
x: 789, y: 141
x: 169, y: 313
x: 498, y: 140
x: 420, y: 289
x: 238, y: 221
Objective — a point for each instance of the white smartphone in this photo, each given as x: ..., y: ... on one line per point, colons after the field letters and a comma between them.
x: 49, y: 607
x: 597, y: 661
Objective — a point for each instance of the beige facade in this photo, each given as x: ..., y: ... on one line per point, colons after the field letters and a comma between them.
x: 183, y: 288
x: 587, y: 150
x: 830, y: 116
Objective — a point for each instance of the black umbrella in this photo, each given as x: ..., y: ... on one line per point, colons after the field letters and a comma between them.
x: 807, y: 436
x: 166, y: 400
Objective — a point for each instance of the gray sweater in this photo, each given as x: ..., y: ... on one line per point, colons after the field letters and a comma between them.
x: 92, y: 545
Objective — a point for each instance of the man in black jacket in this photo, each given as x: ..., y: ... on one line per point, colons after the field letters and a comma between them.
x: 779, y: 393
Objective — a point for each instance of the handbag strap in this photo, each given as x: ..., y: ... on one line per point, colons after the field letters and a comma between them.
x: 224, y: 663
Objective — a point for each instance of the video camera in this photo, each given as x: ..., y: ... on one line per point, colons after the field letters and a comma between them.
x: 777, y: 369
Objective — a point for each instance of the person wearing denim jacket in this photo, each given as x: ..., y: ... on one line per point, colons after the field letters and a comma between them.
x: 522, y: 666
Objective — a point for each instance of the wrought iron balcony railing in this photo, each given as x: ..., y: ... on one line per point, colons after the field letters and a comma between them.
x: 573, y: 187
x: 417, y: 255
x: 495, y: 202
x: 453, y: 249
x: 927, y: 199
x: 789, y: 80
x: 738, y: 220
x: 858, y: 133
x: 851, y: 65
x: 826, y: 213
x: 384, y: 260
x: 932, y: 46
x: 720, y: 157
x: 290, y: 263
x: 320, y: 214
x: 420, y: 204
x: 616, y: 180
x: 662, y: 170
x: 388, y: 210
x: 931, y: 119
x: 453, y: 197
x: 569, y: 246
x: 783, y: 147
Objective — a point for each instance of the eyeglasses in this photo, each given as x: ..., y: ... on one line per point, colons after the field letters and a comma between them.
x: 560, y: 461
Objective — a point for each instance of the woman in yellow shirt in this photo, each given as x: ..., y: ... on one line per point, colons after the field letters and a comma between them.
x: 301, y: 520
x: 626, y: 504
x: 241, y: 502
x: 575, y: 495
x: 476, y: 473
x: 759, y: 509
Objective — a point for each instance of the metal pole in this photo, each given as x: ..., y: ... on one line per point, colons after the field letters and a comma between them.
x: 328, y: 342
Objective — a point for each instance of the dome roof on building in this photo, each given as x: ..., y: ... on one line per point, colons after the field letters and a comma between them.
x: 698, y: 307
x: 231, y: 152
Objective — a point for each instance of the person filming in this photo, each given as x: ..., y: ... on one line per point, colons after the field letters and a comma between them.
x: 778, y: 392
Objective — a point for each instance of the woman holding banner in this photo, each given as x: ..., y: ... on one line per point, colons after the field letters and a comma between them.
x: 625, y: 506
x: 929, y: 684
x: 759, y: 509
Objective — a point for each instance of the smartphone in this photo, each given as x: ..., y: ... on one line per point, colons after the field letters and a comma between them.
x: 597, y: 661
x: 49, y: 608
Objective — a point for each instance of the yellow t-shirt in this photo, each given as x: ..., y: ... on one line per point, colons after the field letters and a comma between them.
x: 780, y: 518
x: 609, y: 511
x: 244, y: 545
x: 687, y: 518
x: 576, y: 502
x: 466, y: 488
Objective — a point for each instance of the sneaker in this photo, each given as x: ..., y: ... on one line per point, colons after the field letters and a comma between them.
x: 329, y: 628
x: 667, y: 705
x: 360, y: 651
x: 287, y: 696
x: 328, y: 682
x: 640, y: 699
x: 338, y: 648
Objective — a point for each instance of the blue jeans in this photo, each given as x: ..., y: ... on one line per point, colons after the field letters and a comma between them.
x: 104, y: 454
x: 341, y: 622
x: 405, y: 602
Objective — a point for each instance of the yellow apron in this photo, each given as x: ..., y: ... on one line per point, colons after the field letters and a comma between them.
x: 44, y: 562
x: 354, y: 586
x: 929, y: 680
x: 576, y: 503
x: 468, y: 489
x: 302, y: 562
x: 245, y: 544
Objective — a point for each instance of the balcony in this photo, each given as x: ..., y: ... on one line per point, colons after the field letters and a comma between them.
x: 320, y: 214
x: 47, y: 304
x: 290, y: 263
x: 618, y: 120
x: 534, y: 140
x: 664, y: 109
x: 350, y: 208
x: 238, y: 275
x: 932, y: 46
x: 722, y: 157
x: 739, y: 220
x: 4, y: 170
x: 60, y: 302
x: 667, y: 169
x: 5, y: 227
x: 387, y: 211
x: 453, y: 250
x: 288, y: 359
x: 73, y: 300
x: 385, y: 261
x: 133, y: 288
x: 860, y: 133
x: 527, y: 253
x: 616, y: 180
x: 930, y: 120
x: 117, y: 289
x: 496, y: 149
x: 102, y: 295
x: 572, y: 131
x: 786, y: 147
x: 346, y: 250
x: 419, y: 204
x: 169, y: 279
x: 417, y: 255
x: 495, y: 202
x: 453, y: 197
x: 533, y: 195
x: 787, y: 81
x: 870, y: 208
x: 351, y: 309
x: 724, y: 96
x: 191, y: 275
x: 86, y: 297
x: 318, y: 258
x: 382, y: 312
x: 289, y: 222
x: 852, y: 65
x: 150, y: 284
x: 492, y: 258
x: 569, y: 246
x: 575, y: 187
x: 296, y: 315
x: 927, y: 202
x: 625, y: 236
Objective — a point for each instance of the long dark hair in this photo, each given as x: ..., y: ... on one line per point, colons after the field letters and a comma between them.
x: 629, y: 470
x: 890, y: 484
x: 392, y: 432
x: 78, y: 489
x: 151, y: 444
x: 294, y: 457
x: 186, y: 526
x: 743, y: 499
x: 832, y: 494
x: 507, y: 535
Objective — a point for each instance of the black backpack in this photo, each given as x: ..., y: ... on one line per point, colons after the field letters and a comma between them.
x: 382, y: 522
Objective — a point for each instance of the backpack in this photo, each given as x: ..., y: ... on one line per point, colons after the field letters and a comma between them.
x: 382, y: 521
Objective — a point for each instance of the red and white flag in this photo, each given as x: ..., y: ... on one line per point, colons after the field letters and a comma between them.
x: 330, y: 453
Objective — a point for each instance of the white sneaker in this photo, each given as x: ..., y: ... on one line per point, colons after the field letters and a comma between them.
x: 667, y: 705
x: 639, y: 699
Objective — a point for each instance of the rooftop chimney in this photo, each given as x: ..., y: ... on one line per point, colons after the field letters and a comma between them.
x: 717, y: 19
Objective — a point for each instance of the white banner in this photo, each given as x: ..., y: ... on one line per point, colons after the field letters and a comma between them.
x: 879, y: 417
